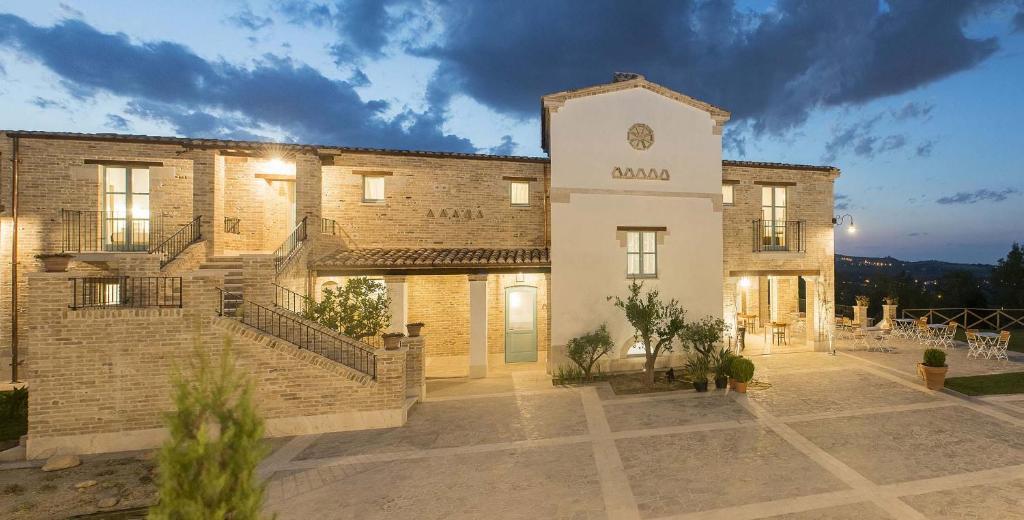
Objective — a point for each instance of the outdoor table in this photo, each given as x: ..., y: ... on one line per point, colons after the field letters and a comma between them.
x: 990, y: 340
x: 934, y: 326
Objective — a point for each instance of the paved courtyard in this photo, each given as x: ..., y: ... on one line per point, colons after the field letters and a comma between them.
x: 817, y: 436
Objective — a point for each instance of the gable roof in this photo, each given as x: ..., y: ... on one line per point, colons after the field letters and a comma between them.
x: 623, y: 81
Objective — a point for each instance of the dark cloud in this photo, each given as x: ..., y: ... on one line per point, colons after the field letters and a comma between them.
x: 925, y: 149
x: 247, y: 19
x: 913, y: 110
x: 917, y: 234
x: 47, y: 104
x: 168, y: 81
x: 118, y: 123
x: 841, y: 202
x: 982, y: 195
x: 772, y: 67
x: 1018, y: 22
x: 734, y: 139
x: 303, y: 13
x: 507, y: 146
x: 70, y: 11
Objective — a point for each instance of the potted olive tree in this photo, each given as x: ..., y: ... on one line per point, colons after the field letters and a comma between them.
x: 741, y: 370
x: 55, y: 262
x: 934, y: 368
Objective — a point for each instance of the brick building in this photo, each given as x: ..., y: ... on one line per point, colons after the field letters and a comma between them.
x: 503, y: 258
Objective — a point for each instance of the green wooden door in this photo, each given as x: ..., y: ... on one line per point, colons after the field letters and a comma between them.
x: 520, y: 324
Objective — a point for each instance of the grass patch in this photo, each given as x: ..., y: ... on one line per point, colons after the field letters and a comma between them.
x: 13, y: 414
x: 992, y: 384
x: 632, y: 383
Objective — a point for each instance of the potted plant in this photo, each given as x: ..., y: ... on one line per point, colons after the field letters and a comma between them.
x: 414, y: 329
x: 722, y: 361
x: 696, y: 370
x: 393, y: 340
x: 934, y: 368
x: 742, y: 371
x: 55, y: 262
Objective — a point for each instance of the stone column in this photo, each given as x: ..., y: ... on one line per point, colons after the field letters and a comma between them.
x: 398, y: 291
x: 208, y: 197
x: 820, y: 312
x: 309, y: 189
x: 860, y: 315
x: 888, y: 314
x: 477, y: 325
x: 257, y: 277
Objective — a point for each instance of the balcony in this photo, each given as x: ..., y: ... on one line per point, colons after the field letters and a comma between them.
x: 95, y: 231
x: 779, y: 235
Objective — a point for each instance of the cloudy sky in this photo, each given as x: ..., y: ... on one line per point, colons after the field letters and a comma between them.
x: 920, y: 102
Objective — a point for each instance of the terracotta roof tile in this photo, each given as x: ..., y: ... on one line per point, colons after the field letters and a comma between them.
x: 433, y: 257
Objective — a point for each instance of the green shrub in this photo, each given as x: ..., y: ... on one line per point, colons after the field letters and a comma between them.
x: 358, y: 309
x: 588, y: 348
x: 14, y: 404
x: 741, y: 369
x: 722, y: 361
x: 697, y: 367
x: 934, y: 357
x: 568, y: 374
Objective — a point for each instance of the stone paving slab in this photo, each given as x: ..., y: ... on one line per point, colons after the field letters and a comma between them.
x: 861, y: 511
x: 673, y: 411
x: 911, y: 445
x: 1003, y: 500
x: 831, y: 391
x: 558, y: 482
x: 446, y: 424
x: 671, y: 474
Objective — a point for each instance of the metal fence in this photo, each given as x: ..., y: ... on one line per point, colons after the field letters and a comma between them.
x: 328, y: 226
x: 124, y: 291
x: 303, y: 306
x: 94, y: 231
x: 293, y: 329
x: 181, y: 239
x: 778, y: 235
x: 971, y: 318
x: 231, y: 225
x: 285, y: 251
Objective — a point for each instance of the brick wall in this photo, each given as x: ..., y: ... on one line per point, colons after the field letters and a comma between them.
x: 432, y: 202
x: 442, y: 303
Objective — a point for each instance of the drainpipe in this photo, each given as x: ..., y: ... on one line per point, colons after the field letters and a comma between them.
x: 15, y: 159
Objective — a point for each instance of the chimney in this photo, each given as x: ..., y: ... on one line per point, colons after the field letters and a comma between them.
x: 625, y: 76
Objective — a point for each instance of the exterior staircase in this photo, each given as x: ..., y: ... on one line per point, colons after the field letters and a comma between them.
x: 232, y: 269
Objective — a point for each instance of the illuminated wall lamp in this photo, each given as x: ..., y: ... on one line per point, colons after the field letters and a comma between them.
x: 838, y: 221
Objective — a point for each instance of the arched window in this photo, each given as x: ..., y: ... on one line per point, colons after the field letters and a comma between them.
x: 328, y: 285
x: 636, y: 350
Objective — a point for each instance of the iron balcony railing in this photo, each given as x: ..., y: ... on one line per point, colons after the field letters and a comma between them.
x: 291, y: 244
x: 328, y: 226
x: 296, y: 331
x: 95, y: 231
x: 173, y: 246
x: 779, y: 235
x: 303, y: 306
x: 231, y: 225
x: 972, y: 318
x: 124, y: 291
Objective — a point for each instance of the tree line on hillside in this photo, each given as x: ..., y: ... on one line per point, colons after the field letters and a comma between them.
x: 1003, y: 288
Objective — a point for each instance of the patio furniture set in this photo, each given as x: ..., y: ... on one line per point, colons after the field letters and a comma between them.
x: 937, y: 335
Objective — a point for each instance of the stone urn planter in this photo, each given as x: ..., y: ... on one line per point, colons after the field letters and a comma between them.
x: 414, y: 329
x: 393, y: 340
x: 55, y: 263
x: 888, y: 314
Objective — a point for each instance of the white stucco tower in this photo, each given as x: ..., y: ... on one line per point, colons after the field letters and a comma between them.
x: 636, y: 176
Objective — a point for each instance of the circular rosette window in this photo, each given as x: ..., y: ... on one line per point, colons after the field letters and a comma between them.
x: 640, y: 136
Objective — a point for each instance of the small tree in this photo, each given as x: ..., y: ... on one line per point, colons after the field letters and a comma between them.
x: 703, y: 335
x: 656, y: 323
x: 588, y: 348
x: 358, y: 309
x: 208, y: 466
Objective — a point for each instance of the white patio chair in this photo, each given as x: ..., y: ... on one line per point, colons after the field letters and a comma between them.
x: 880, y: 342
x: 944, y: 338
x: 998, y: 349
x: 975, y: 345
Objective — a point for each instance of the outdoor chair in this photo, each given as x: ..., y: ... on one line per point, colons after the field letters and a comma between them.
x: 923, y: 333
x: 945, y: 338
x: 880, y: 342
x: 975, y: 346
x: 998, y: 350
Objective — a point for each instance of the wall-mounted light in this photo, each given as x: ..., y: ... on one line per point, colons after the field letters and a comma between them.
x: 275, y: 166
x: 745, y: 282
x: 838, y: 221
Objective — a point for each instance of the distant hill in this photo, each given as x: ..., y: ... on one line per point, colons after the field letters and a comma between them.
x: 863, y: 267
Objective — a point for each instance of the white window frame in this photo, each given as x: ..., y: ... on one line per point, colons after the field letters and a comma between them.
x: 383, y: 190
x: 512, y: 191
x: 731, y: 198
x: 641, y: 252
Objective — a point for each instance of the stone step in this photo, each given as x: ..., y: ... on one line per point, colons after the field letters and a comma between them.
x: 221, y: 265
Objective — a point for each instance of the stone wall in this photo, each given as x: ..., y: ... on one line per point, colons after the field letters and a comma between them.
x: 261, y: 205
x: 100, y: 377
x: 434, y: 202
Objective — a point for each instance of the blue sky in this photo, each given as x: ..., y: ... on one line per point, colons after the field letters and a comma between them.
x: 918, y: 102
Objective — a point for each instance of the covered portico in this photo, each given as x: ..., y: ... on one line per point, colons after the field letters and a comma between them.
x: 795, y: 302
x: 484, y: 308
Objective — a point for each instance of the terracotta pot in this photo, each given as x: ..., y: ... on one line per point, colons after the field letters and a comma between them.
x: 740, y: 387
x: 393, y: 341
x: 414, y: 329
x: 934, y: 377
x: 55, y: 264
x: 732, y: 384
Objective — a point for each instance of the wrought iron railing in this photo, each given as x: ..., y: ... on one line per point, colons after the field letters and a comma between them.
x: 328, y: 226
x: 303, y: 306
x: 779, y: 235
x: 298, y: 332
x: 231, y: 225
x: 291, y: 244
x: 173, y: 246
x: 125, y: 291
x: 971, y: 318
x: 94, y: 231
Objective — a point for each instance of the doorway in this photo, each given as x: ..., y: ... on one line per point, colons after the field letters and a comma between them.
x: 520, y: 324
